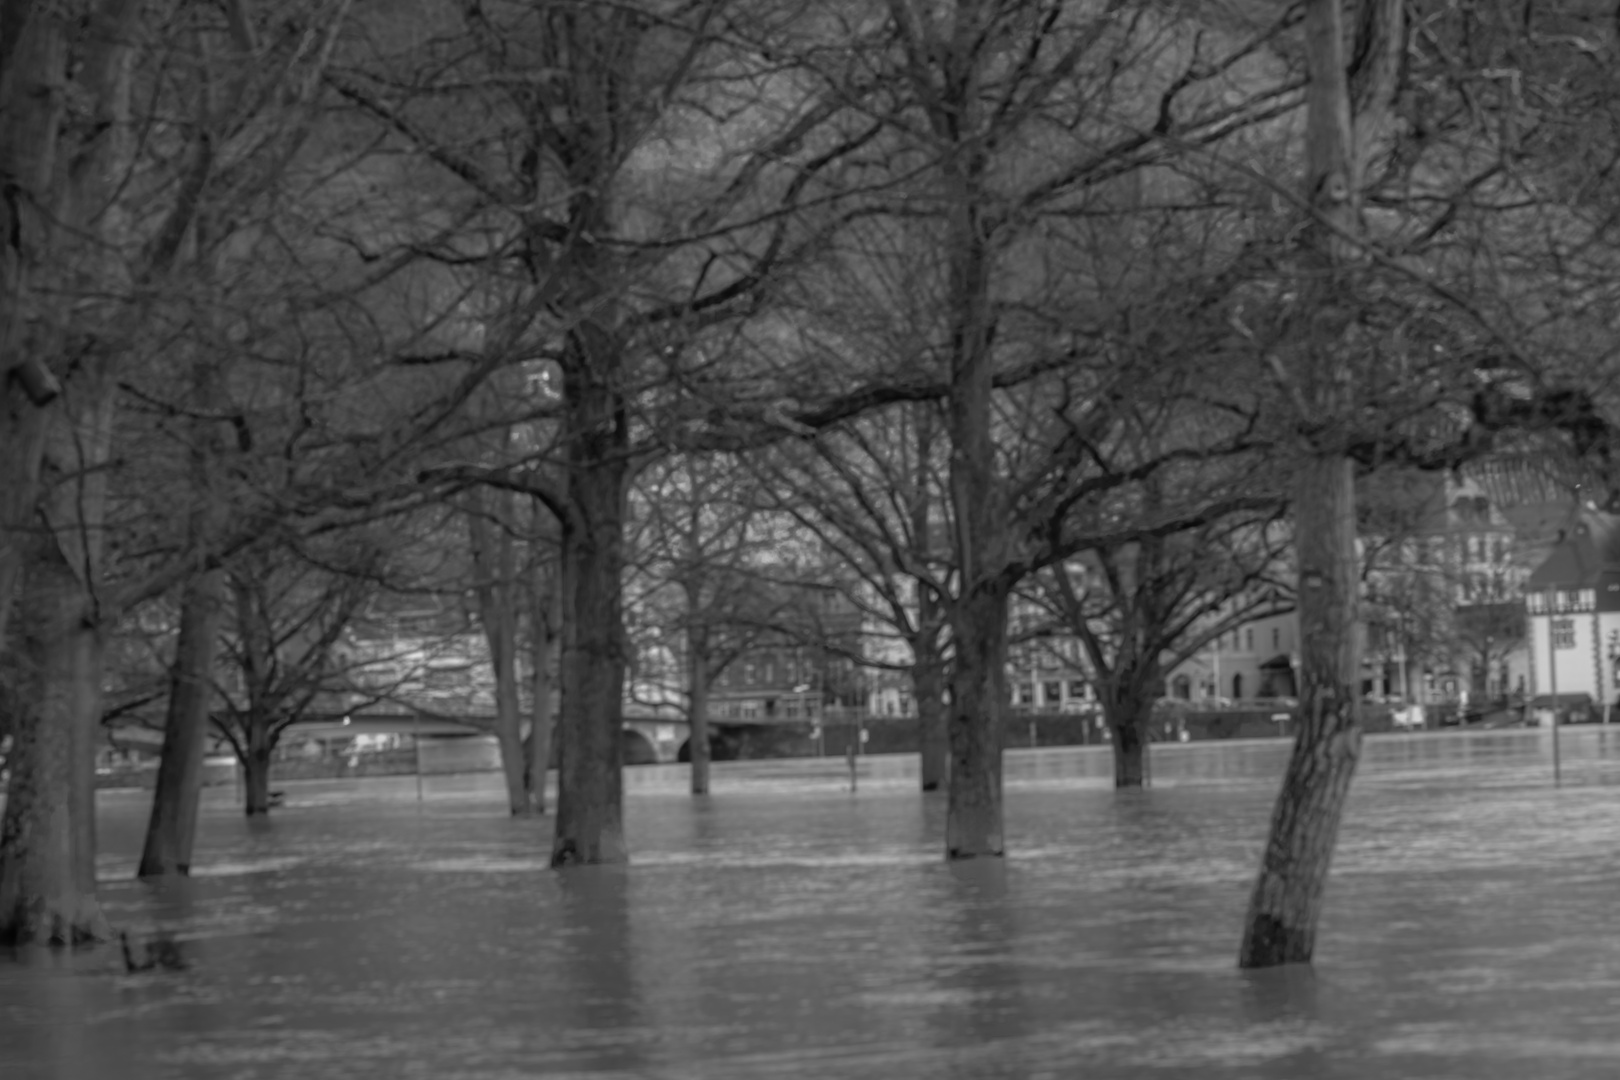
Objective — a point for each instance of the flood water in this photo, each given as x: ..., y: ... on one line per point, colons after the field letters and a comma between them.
x: 787, y: 927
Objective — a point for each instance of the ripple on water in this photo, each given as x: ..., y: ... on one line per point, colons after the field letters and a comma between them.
x: 783, y: 930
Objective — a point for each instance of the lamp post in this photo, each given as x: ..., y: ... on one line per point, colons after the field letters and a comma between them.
x: 1552, y: 684
x: 1614, y: 669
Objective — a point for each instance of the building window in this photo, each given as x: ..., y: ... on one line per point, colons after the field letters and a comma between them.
x: 1563, y: 633
x: 1276, y: 637
x: 1248, y: 640
x: 1026, y: 694
x: 1077, y: 690
x: 1054, y: 692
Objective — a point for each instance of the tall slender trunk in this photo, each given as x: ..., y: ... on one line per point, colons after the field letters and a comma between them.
x: 172, y: 827
x: 978, y: 615
x: 697, y: 712
x: 495, y: 563
x: 589, y: 820
x: 977, y: 718
x: 546, y: 605
x: 928, y: 684
x: 1286, y: 905
x: 47, y: 837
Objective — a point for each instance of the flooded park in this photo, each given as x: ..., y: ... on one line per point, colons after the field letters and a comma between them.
x: 788, y: 927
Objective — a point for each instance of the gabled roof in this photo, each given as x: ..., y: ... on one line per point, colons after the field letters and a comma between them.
x: 1589, y: 547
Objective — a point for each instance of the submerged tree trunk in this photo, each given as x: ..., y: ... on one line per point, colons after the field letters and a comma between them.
x: 1286, y: 904
x: 1128, y: 709
x: 47, y: 837
x: 1287, y: 901
x: 495, y: 563
x: 928, y: 684
x: 697, y: 712
x: 977, y: 717
x: 546, y: 602
x: 1130, y: 744
x: 595, y: 653
x: 256, y: 767
x: 172, y: 826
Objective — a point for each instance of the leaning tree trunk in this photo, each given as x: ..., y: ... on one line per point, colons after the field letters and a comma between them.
x: 47, y: 854
x: 172, y: 827
x: 977, y: 717
x: 590, y: 827
x: 1286, y: 905
x: 1287, y: 901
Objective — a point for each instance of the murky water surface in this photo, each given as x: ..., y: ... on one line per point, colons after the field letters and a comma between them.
x: 785, y: 927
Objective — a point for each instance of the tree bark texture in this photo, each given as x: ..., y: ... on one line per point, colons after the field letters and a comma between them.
x: 589, y: 821
x: 1341, y: 136
x: 47, y: 836
x: 33, y: 94
x: 1127, y: 701
x: 697, y: 714
x: 256, y: 767
x: 928, y: 685
x: 1287, y: 901
x: 977, y: 718
x: 172, y: 827
x: 1130, y: 753
x: 545, y: 618
x: 495, y: 563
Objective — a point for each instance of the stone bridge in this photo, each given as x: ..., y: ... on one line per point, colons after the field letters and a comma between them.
x: 651, y: 737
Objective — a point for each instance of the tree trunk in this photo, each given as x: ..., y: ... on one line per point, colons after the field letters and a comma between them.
x: 256, y: 767
x: 1130, y: 753
x: 977, y: 715
x: 1287, y: 900
x: 495, y: 563
x: 590, y: 825
x: 543, y: 617
x: 1128, y: 708
x: 697, y: 713
x: 1286, y: 904
x: 172, y: 828
x: 47, y: 837
x: 33, y: 67
x: 928, y: 683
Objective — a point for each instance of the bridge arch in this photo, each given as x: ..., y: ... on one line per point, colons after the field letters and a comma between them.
x: 638, y: 749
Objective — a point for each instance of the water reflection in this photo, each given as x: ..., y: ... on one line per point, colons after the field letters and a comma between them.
x: 786, y: 927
